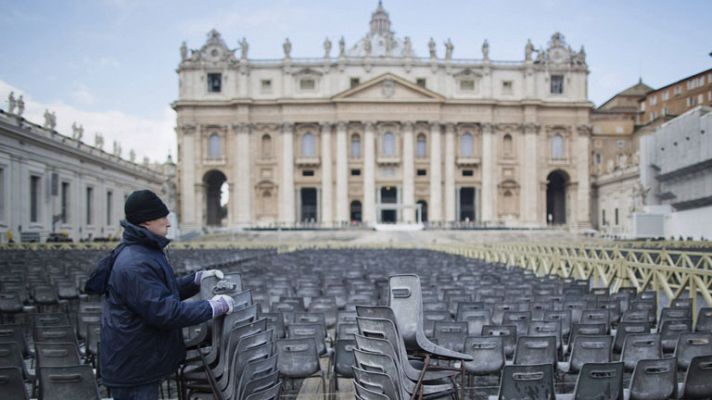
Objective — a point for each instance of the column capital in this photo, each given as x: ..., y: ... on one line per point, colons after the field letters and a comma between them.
x: 325, y: 127
x: 487, y: 128
x: 242, y: 127
x: 407, y: 125
x: 584, y: 129
x: 188, y: 128
x: 287, y: 127
x: 342, y: 125
x: 449, y: 128
x: 434, y: 126
x: 369, y: 125
x: 531, y: 128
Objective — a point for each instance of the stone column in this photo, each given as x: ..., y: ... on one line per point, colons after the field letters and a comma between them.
x: 243, y: 181
x: 342, y: 174
x: 529, y: 176
x: 327, y: 210
x: 369, y: 174
x: 188, y: 163
x: 449, y: 172
x: 286, y: 187
x: 435, y: 206
x: 408, y: 173
x: 583, y: 212
x: 488, y: 194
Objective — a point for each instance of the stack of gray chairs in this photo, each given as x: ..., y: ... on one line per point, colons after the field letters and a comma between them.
x: 241, y: 362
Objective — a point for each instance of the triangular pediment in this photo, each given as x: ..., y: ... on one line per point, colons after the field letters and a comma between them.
x: 388, y: 88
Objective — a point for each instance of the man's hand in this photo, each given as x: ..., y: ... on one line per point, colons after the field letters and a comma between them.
x: 222, y: 304
x: 200, y: 275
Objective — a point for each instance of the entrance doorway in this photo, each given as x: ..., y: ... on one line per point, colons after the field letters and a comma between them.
x: 467, y: 204
x: 308, y: 205
x: 355, y: 211
x: 556, y: 183
x: 389, y: 195
x: 216, y: 197
x: 423, y: 210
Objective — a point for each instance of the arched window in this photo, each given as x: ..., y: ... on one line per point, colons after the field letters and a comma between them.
x: 557, y: 147
x: 389, y: 144
x: 308, y: 145
x: 598, y: 158
x: 266, y: 146
x: 214, y: 150
x: 507, y: 145
x: 466, y: 145
x: 421, y: 150
x: 355, y: 146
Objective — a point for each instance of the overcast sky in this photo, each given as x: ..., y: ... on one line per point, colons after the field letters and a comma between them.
x: 110, y: 64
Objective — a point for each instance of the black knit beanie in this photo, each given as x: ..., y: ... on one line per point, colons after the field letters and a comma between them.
x: 144, y: 205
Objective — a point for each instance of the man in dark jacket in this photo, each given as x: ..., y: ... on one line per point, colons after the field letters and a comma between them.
x: 143, y: 312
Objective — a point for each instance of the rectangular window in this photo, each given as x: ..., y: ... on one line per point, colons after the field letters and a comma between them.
x: 678, y: 90
x: 65, y: 202
x: 34, y: 198
x: 109, y: 207
x: 467, y: 85
x: 355, y: 172
x: 266, y: 85
x: 307, y: 84
x: 642, y: 106
x: 90, y: 205
x: 308, y: 172
x: 422, y: 172
x: 355, y: 82
x: 666, y: 95
x: 214, y: 82
x: 557, y: 84
x: 420, y: 82
x: 700, y: 98
x: 603, y: 217
x: 507, y: 87
x: 467, y: 172
x: 616, y: 216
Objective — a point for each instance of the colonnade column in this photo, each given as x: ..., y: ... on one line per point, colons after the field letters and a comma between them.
x: 286, y: 187
x: 450, y: 172
x: 435, y: 206
x: 488, y: 198
x: 369, y: 175
x: 583, y: 151
x: 529, y: 178
x: 342, y: 176
x: 327, y: 211
x: 187, y: 162
x: 408, y: 173
x: 243, y: 181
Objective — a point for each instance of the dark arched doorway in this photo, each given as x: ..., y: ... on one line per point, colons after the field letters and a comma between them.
x: 556, y: 183
x: 389, y: 195
x: 423, y: 210
x: 355, y: 211
x: 216, y: 197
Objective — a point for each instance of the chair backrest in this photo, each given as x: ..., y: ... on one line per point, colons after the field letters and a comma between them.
x: 376, y: 381
x: 564, y: 316
x: 364, y: 393
x: 600, y: 381
x: 626, y: 328
x: 670, y: 332
x: 487, y: 354
x: 519, y: 318
x: 344, y: 357
x: 508, y: 333
x: 654, y: 380
x: 55, y: 334
x: 50, y: 319
x: 527, y: 382
x: 704, y: 320
x: 297, y: 358
x: 12, y: 385
x: 590, y: 349
x: 596, y: 316
x: 451, y: 334
x: 255, y: 369
x: 640, y: 346
x: 379, y: 363
x: 14, y: 334
x: 267, y: 394
x: 260, y: 384
x: 405, y: 301
x: 475, y: 319
x: 70, y: 382
x: 313, y: 330
x: 275, y: 321
x: 586, y: 329
x: 690, y: 345
x: 546, y: 328
x: 698, y: 384
x: 534, y: 350
x: 56, y: 354
x: 346, y: 330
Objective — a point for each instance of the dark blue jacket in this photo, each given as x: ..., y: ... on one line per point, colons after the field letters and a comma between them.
x: 141, y: 335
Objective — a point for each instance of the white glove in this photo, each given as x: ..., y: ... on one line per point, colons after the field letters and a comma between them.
x: 222, y: 304
x: 200, y: 275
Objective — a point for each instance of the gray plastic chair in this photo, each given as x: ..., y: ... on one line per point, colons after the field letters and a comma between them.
x: 451, y: 335
x: 377, y: 382
x: 70, y: 382
x: 704, y: 320
x: 640, y: 346
x: 487, y: 355
x: 405, y: 300
x: 343, y: 359
x: 653, y: 380
x: 587, y: 349
x: 362, y: 393
x: 564, y: 317
x: 12, y: 385
x: 535, y: 350
x: 670, y: 332
x: 508, y: 333
x: 625, y: 328
x: 56, y: 354
x: 309, y: 330
x: 546, y: 328
x: 251, y: 371
x: 697, y: 384
x: 526, y: 382
x: 298, y: 358
x: 267, y: 394
x: 692, y: 345
x: 598, y: 381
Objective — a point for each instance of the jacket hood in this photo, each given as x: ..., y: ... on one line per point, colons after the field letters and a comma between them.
x: 134, y: 234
